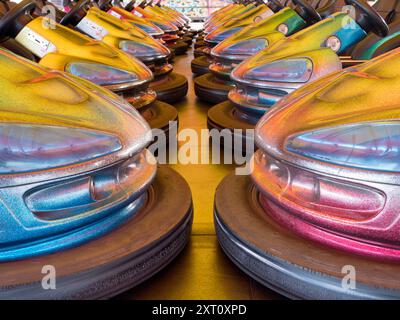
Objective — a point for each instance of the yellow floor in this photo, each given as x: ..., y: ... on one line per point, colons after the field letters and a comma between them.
x: 202, y: 271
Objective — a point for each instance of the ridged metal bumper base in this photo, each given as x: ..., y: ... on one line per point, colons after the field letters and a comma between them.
x: 210, y: 89
x: 118, y: 261
x: 286, y: 263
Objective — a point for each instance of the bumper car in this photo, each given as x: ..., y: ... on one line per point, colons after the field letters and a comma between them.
x: 170, y: 87
x: 115, y: 8
x: 168, y: 35
x: 229, y: 12
x: 63, y: 49
x: 199, y: 41
x: 232, y: 12
x: 201, y: 62
x: 166, y: 13
x: 171, y: 35
x: 221, y: 13
x: 79, y: 190
x: 290, y: 63
x: 322, y: 198
x: 215, y: 86
x: 215, y: 34
x: 157, y: 7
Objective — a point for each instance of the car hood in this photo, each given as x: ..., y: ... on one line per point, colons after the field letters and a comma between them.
x: 34, y: 95
x: 217, y: 21
x: 73, y: 46
x: 144, y: 24
x: 261, y: 12
x: 123, y: 30
x: 262, y: 29
x: 367, y: 93
x: 309, y: 39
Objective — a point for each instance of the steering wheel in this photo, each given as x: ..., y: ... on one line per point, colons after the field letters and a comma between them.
x: 105, y: 5
x: 117, y: 3
x: 70, y: 16
x: 370, y: 19
x: 306, y: 11
x: 326, y: 9
x: 275, y: 5
x: 8, y: 21
x: 130, y: 6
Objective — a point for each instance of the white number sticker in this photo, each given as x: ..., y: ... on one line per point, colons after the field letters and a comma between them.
x: 92, y: 29
x: 115, y: 14
x: 35, y: 43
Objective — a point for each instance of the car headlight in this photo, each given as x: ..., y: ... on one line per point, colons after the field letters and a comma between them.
x: 140, y: 50
x: 153, y: 31
x: 374, y: 146
x: 166, y: 27
x: 248, y: 47
x: 216, y: 37
x: 101, y: 74
x: 27, y: 148
x: 298, y: 70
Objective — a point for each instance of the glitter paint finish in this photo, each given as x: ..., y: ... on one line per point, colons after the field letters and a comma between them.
x: 308, y: 43
x: 261, y: 94
x: 217, y: 16
x: 258, y: 30
x: 158, y: 19
x: 256, y: 15
x: 215, y: 22
x: 121, y: 30
x: 145, y: 25
x: 336, y: 186
x: 72, y: 46
x: 77, y: 157
x: 52, y: 98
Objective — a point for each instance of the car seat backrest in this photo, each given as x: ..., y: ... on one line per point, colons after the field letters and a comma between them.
x: 13, y: 46
x: 287, y: 3
x: 40, y: 12
x: 9, y: 43
x: 389, y: 45
x: 339, y: 5
x: 373, y: 45
x: 6, y: 5
x: 324, y: 7
x: 389, y: 9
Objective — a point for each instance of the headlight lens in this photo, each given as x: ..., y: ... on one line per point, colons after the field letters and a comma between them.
x: 139, y: 49
x: 248, y: 47
x: 217, y: 37
x: 26, y: 148
x: 374, y: 146
x: 149, y: 29
x: 289, y: 70
x: 101, y: 74
x: 166, y: 27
